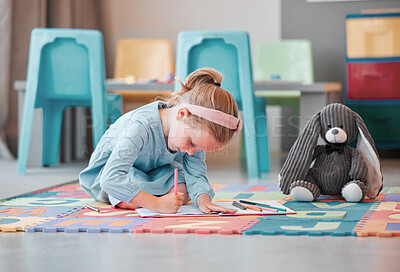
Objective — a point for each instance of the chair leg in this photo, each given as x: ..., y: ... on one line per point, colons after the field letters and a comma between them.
x: 262, y: 134
x: 262, y: 137
x: 250, y: 140
x: 52, y: 120
x: 114, y: 107
x: 99, y: 118
x: 292, y: 123
x: 25, y: 135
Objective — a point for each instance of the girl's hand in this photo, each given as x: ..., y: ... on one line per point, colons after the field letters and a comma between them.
x: 205, y: 205
x: 170, y: 203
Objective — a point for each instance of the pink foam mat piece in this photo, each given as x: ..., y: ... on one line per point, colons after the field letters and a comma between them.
x: 385, y: 215
x: 198, y: 225
x: 65, y: 194
x: 67, y: 187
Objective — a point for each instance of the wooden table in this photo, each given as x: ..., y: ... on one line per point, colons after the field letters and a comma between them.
x: 313, y: 97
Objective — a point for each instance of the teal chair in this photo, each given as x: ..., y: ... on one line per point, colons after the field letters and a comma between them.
x: 286, y: 60
x: 229, y: 53
x: 65, y: 69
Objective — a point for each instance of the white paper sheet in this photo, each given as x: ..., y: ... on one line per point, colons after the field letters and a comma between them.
x: 193, y: 210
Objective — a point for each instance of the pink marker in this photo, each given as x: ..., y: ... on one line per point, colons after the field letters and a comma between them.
x: 176, y: 181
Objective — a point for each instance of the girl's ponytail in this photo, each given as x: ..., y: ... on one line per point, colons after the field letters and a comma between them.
x: 197, y: 78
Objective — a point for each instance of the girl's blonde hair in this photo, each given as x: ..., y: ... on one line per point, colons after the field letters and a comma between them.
x: 201, y: 88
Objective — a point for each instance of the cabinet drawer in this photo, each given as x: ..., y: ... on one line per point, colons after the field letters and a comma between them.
x: 373, y: 80
x: 373, y: 37
x: 382, y: 122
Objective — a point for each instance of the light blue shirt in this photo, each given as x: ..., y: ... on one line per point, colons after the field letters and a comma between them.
x: 132, y: 156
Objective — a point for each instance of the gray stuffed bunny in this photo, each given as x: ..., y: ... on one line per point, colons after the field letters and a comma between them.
x: 333, y: 168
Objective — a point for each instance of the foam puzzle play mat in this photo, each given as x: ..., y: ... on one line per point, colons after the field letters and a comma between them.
x: 62, y: 209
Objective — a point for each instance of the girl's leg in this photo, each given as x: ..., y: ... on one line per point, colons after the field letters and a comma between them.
x: 124, y: 205
x: 181, y: 189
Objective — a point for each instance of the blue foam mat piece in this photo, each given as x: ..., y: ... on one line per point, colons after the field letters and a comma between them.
x: 90, y: 225
x: 311, y: 227
x: 391, y: 197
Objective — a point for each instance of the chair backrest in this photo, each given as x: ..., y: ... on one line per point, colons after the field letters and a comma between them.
x: 229, y: 53
x: 226, y: 51
x: 66, y: 63
x: 290, y: 60
x: 144, y: 58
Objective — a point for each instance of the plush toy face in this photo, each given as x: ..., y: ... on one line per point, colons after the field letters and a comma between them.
x: 338, y: 125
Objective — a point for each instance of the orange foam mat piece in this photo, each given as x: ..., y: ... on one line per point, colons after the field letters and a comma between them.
x: 198, y: 225
x: 378, y: 228
x: 14, y: 223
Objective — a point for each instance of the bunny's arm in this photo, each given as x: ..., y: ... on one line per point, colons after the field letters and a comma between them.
x: 359, y: 169
x: 318, y: 151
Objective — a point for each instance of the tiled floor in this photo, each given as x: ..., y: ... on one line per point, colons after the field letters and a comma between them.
x: 182, y: 252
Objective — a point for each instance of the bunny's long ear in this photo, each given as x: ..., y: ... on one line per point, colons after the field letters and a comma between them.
x: 300, y: 155
x: 367, y: 149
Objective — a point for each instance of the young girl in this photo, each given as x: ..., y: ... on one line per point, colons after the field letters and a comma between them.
x: 133, y: 164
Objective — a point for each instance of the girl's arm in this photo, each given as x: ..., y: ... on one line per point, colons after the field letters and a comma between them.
x: 115, y: 181
x: 204, y: 203
x: 169, y: 203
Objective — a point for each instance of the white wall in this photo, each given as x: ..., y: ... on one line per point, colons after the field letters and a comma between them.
x: 166, y: 18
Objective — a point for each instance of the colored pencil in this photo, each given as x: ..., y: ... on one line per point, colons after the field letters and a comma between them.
x: 252, y: 207
x: 237, y: 204
x: 176, y: 181
x: 92, y: 208
x: 262, y: 205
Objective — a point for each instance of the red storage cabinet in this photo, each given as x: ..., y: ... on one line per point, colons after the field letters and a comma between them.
x: 373, y: 73
x: 373, y: 80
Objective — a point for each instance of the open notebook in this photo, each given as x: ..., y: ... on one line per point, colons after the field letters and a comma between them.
x: 193, y: 210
